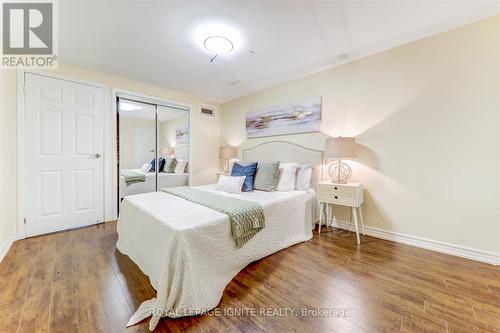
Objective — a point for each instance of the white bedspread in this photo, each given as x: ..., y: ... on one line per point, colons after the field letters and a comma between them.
x: 187, y: 250
x: 149, y: 185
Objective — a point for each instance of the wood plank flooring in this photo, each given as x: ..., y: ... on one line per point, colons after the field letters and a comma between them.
x: 76, y: 281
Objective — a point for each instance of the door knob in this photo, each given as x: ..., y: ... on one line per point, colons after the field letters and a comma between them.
x: 96, y: 155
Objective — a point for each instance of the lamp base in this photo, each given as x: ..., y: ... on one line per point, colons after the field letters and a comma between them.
x: 339, y: 172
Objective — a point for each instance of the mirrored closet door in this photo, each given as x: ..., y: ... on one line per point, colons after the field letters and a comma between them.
x: 153, y: 145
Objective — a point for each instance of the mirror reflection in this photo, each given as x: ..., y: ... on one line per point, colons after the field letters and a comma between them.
x: 153, y: 147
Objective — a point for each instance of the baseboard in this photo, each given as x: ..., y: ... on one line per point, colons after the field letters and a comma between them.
x: 428, y: 244
x: 4, y: 248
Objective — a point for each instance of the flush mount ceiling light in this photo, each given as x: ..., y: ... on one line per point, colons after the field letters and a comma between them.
x: 126, y: 106
x: 218, y: 45
x: 218, y: 39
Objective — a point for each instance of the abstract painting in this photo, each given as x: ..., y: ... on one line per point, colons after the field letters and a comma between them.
x: 293, y: 118
x: 182, y: 135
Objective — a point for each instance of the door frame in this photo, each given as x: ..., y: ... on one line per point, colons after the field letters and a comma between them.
x: 115, y: 93
x: 21, y: 79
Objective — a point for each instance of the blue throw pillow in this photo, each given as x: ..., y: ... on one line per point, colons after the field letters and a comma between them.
x: 248, y: 171
x: 153, y: 164
x: 162, y: 164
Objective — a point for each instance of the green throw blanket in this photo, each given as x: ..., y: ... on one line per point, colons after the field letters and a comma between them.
x: 132, y: 177
x: 246, y: 217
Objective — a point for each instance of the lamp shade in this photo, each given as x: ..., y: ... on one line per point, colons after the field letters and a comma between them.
x: 340, y: 148
x: 227, y: 153
x: 167, y: 151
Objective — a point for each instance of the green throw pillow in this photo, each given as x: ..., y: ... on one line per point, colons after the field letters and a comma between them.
x: 266, y: 177
x: 169, y: 164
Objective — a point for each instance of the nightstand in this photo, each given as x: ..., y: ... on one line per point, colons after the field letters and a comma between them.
x: 219, y: 173
x: 350, y: 194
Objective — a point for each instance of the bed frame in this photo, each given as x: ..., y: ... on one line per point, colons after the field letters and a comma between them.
x: 285, y: 151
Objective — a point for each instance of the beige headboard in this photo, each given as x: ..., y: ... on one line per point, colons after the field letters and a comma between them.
x: 181, y: 151
x: 285, y: 151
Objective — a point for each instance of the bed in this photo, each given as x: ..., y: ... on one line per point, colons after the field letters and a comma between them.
x: 149, y: 184
x: 186, y: 249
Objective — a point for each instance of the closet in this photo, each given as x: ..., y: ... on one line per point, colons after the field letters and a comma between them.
x: 152, y: 146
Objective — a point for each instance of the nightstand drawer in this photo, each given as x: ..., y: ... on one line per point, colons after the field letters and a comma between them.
x: 343, y: 200
x: 337, y: 189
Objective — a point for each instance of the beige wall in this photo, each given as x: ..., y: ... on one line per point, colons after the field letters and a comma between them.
x: 426, y: 116
x: 205, y: 134
x: 167, y: 136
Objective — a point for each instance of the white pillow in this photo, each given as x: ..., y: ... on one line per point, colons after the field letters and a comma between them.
x: 230, y: 184
x: 303, y: 177
x: 286, y: 182
x: 180, y: 166
x: 146, y: 167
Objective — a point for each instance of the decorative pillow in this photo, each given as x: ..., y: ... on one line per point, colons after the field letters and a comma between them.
x: 266, y: 177
x: 248, y: 171
x: 170, y: 163
x: 180, y: 166
x: 161, y: 163
x: 152, y: 164
x: 146, y: 167
x: 286, y: 181
x: 303, y: 177
x: 230, y: 184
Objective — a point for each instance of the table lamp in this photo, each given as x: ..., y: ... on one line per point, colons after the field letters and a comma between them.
x: 167, y: 151
x: 227, y: 153
x: 337, y: 149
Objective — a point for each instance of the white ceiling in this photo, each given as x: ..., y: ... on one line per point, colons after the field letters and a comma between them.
x: 154, y: 41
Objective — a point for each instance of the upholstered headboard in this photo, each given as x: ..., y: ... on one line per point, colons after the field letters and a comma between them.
x: 284, y: 151
x: 181, y: 151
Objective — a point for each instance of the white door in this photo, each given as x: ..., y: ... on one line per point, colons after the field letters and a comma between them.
x: 63, y: 181
x: 144, y: 143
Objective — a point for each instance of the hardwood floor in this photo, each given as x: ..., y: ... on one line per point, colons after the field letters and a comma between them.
x: 77, y: 281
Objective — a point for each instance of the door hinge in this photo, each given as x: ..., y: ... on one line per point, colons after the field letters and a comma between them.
x: 24, y: 90
x: 25, y: 220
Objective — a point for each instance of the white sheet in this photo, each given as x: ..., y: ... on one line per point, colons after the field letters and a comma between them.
x: 149, y: 185
x: 187, y: 249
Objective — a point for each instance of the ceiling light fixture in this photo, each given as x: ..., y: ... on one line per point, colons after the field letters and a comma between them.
x: 217, y: 39
x: 218, y: 45
x: 125, y: 106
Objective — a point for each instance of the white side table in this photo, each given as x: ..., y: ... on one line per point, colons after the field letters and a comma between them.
x: 350, y: 194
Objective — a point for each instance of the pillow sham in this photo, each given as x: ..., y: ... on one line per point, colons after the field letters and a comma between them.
x: 170, y: 163
x: 266, y: 176
x: 180, y: 166
x: 286, y: 181
x: 245, y: 170
x: 303, y: 177
x: 230, y: 184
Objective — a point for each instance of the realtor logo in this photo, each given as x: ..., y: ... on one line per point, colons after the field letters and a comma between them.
x: 28, y: 35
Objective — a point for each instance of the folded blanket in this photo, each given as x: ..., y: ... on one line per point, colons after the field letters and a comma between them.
x: 132, y: 177
x: 246, y: 217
